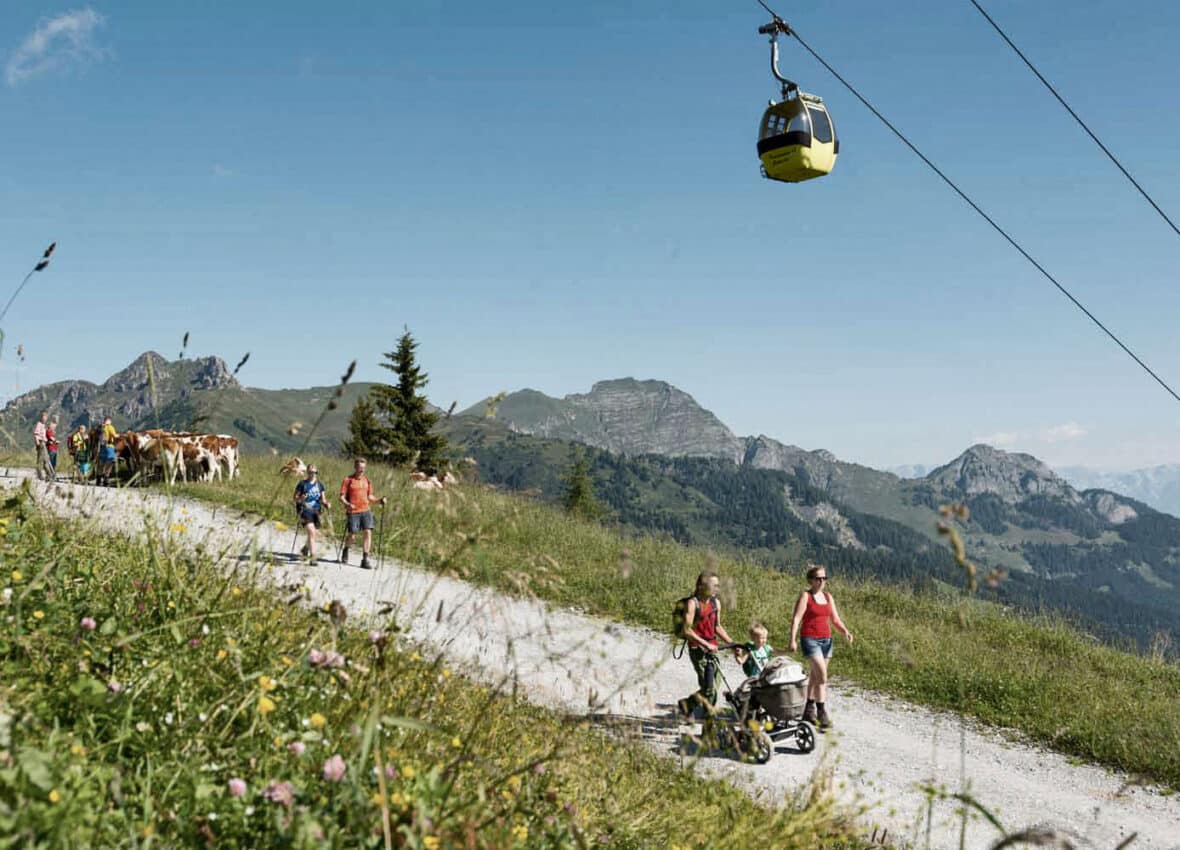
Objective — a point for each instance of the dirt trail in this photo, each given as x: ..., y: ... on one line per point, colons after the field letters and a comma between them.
x: 882, y: 753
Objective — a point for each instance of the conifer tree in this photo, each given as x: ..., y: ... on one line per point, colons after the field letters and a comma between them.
x: 411, y: 435
x: 579, y: 490
x: 367, y: 437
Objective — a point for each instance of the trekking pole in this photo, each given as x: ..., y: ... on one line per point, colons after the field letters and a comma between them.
x: 380, y: 530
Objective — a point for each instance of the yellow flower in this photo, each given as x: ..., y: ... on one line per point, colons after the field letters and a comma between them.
x: 38, y: 615
x: 17, y: 575
x: 514, y: 782
x: 237, y: 591
x: 287, y: 661
x: 520, y: 831
x: 408, y: 772
x: 179, y: 527
x: 267, y: 683
x: 171, y: 604
x: 378, y: 799
x: 430, y: 842
x: 506, y: 794
x: 456, y: 743
x: 415, y: 657
x: 265, y: 705
x: 281, y: 526
x: 54, y: 797
x: 221, y: 654
x: 278, y: 742
x: 317, y: 720
x: 78, y: 750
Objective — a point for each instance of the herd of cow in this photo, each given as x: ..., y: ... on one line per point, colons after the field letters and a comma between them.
x: 199, y: 457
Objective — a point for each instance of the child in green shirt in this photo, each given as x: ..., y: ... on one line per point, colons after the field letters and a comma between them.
x: 754, y: 654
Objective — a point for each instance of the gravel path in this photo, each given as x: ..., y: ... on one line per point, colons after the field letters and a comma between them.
x: 880, y: 756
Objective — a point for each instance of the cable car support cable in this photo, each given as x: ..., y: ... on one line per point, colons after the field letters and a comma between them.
x: 995, y: 226
x: 1076, y: 117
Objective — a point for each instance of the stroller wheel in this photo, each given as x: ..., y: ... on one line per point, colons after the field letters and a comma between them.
x: 756, y: 746
x: 804, y: 737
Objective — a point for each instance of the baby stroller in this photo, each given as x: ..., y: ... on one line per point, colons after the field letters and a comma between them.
x: 769, y: 708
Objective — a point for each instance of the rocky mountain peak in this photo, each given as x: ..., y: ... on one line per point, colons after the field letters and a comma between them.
x: 135, y: 376
x: 1012, y: 476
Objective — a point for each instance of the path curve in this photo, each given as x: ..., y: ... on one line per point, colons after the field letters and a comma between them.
x: 881, y: 755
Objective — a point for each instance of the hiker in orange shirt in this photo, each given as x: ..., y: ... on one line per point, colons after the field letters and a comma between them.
x: 357, y: 495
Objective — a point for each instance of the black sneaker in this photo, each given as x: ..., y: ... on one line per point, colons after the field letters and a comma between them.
x: 344, y: 555
x: 365, y: 563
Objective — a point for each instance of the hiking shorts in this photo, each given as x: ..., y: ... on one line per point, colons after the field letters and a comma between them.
x: 309, y: 518
x: 357, y: 522
x: 816, y: 647
x: 107, y: 454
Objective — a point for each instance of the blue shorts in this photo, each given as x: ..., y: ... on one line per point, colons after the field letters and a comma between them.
x: 817, y: 647
x: 358, y: 521
x: 107, y: 454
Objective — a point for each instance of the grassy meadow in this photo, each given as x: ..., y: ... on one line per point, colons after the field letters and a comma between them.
x: 148, y: 698
x: 1040, y: 677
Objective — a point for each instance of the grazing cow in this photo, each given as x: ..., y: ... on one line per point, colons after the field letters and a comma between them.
x: 294, y: 467
x: 155, y: 449
x: 228, y: 452
x: 422, y: 481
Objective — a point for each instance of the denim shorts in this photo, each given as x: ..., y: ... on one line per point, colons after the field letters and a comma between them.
x: 817, y: 646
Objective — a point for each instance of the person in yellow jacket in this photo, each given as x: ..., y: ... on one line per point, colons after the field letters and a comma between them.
x: 106, y: 452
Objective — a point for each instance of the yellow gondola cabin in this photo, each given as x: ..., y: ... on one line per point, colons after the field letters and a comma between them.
x: 796, y: 140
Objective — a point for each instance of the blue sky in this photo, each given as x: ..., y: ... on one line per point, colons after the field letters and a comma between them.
x: 551, y: 195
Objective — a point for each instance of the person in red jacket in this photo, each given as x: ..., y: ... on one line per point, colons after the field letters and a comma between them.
x: 816, y: 613
x: 356, y: 492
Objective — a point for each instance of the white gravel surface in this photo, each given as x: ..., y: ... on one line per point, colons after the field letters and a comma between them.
x: 881, y: 754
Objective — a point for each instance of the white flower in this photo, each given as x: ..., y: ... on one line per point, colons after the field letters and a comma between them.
x: 249, y: 811
x: 168, y: 719
x: 202, y: 717
x: 204, y: 629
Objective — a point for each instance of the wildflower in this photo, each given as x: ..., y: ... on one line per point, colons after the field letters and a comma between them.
x: 376, y: 636
x: 237, y: 591
x: 297, y: 747
x: 38, y: 614
x: 282, y: 793
x: 267, y: 683
x: 143, y: 726
x: 113, y: 686
x: 221, y: 654
x: 237, y: 787
x: 168, y: 719
x: 280, y: 526
x: 333, y: 769
x: 344, y: 677
x: 520, y: 832
x: 315, y: 657
x: 5, y: 595
x: 54, y: 796
x: 17, y: 575
x: 88, y: 624
x: 390, y: 772
x: 408, y: 772
x: 265, y: 705
x: 179, y: 527
x: 456, y: 743
x: 78, y: 750
x: 378, y: 799
x: 171, y: 604
x: 430, y: 842
x: 194, y: 643
x: 317, y: 720
x: 287, y: 662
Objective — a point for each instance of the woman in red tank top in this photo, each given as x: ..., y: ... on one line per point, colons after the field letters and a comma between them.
x: 816, y: 613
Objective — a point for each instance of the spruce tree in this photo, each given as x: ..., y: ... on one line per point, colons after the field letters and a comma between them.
x: 412, y: 438
x: 367, y: 437
x: 579, y: 490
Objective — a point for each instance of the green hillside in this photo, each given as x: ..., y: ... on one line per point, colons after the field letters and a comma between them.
x: 189, y: 394
x: 1118, y: 581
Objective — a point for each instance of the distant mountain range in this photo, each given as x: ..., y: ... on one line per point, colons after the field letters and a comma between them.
x: 665, y: 463
x: 198, y: 394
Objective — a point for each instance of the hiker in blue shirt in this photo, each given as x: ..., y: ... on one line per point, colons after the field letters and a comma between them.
x: 310, y: 502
